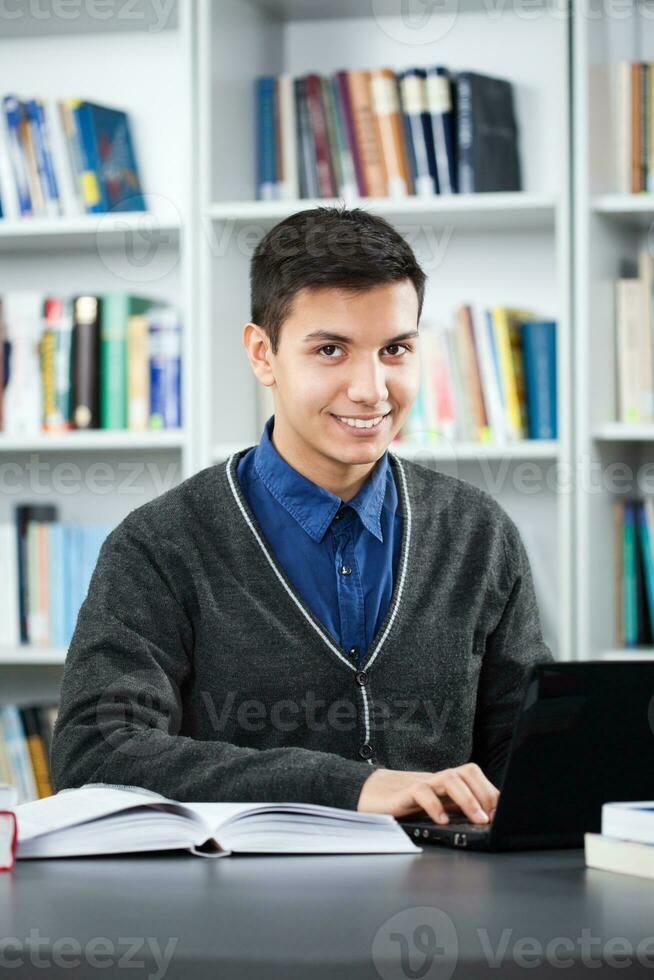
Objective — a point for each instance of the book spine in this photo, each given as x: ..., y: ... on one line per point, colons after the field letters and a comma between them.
x: 345, y: 102
x: 266, y: 166
x: 646, y: 556
x: 327, y: 186
x: 539, y: 345
x: 85, y: 362
x: 113, y: 361
x: 367, y: 133
x: 386, y: 108
x: 635, y: 128
x: 53, y: 196
x: 349, y: 187
x: 413, y: 94
x: 629, y: 572
x: 618, y: 564
x: 465, y: 134
x: 91, y: 188
x: 12, y: 111
x: 439, y: 100
x: 164, y: 338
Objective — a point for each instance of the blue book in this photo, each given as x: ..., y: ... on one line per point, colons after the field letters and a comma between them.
x: 108, y: 153
x: 646, y: 552
x: 439, y: 87
x: 14, y: 111
x: 413, y: 94
x: 630, y: 590
x: 165, y: 350
x: 539, y: 352
x: 266, y: 138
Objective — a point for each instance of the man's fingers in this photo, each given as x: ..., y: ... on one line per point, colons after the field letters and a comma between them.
x: 462, y: 795
x: 483, y: 789
x: 426, y: 797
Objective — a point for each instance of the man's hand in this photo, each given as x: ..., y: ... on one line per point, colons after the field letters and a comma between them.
x: 402, y: 793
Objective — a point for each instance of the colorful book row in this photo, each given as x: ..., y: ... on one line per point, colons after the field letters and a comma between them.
x: 488, y: 377
x: 25, y: 740
x: 88, y: 362
x: 378, y: 133
x: 46, y: 567
x: 85, y: 163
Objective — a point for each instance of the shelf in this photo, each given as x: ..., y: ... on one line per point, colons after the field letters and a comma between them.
x: 337, y: 9
x: 528, y: 449
x: 624, y: 432
x: 31, y: 656
x: 634, y: 209
x: 106, y: 230
x: 96, y: 440
x: 628, y: 653
x: 501, y: 211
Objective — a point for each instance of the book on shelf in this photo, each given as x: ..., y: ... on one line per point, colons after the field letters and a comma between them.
x: 378, y: 133
x: 111, y: 361
x: 489, y: 377
x: 25, y: 741
x: 626, y: 843
x: 632, y: 86
x: 79, y: 159
x: 45, y: 569
x: 633, y: 542
x: 99, y: 818
x: 634, y: 348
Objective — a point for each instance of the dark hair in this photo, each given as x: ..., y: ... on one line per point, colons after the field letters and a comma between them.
x: 327, y: 246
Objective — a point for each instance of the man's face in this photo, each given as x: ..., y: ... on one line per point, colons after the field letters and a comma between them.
x: 372, y: 372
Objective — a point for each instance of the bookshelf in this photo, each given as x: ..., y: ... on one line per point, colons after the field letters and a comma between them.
x: 139, y: 58
x: 610, y: 228
x: 511, y: 248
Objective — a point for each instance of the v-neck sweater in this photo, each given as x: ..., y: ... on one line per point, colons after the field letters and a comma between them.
x: 197, y: 671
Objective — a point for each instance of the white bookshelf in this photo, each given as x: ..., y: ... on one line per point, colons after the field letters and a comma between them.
x: 610, y: 228
x: 510, y: 248
x: 139, y: 58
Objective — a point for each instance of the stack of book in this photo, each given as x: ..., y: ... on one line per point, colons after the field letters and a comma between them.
x: 45, y: 570
x: 88, y: 362
x: 633, y: 343
x: 25, y: 739
x: 633, y: 87
x: 626, y: 844
x: 377, y: 133
x: 633, y: 537
x: 490, y: 377
x: 84, y: 163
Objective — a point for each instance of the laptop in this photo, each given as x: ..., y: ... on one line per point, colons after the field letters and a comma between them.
x: 584, y: 736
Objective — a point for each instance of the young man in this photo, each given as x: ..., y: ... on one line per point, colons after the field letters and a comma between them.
x: 315, y: 619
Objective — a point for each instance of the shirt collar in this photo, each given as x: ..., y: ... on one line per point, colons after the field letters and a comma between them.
x: 312, y: 506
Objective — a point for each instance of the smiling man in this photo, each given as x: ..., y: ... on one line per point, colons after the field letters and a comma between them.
x: 314, y: 620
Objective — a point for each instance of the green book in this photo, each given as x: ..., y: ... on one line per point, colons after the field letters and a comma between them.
x: 117, y: 307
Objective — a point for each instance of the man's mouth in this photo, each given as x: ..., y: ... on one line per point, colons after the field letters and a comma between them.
x: 370, y: 423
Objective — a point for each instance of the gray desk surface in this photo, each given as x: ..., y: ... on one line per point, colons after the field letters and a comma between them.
x: 343, y: 917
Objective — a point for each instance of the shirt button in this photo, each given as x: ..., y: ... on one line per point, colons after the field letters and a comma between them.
x: 361, y: 677
x: 365, y: 751
x: 346, y: 570
x: 353, y: 651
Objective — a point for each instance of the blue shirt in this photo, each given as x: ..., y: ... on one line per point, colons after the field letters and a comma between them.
x: 341, y: 558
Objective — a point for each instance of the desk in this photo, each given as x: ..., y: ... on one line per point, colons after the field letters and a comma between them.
x: 341, y: 917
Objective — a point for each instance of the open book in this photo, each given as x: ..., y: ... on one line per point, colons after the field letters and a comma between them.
x: 102, y: 819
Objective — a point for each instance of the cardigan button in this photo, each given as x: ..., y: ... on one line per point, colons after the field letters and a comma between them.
x: 346, y: 570
x: 361, y: 677
x: 365, y: 751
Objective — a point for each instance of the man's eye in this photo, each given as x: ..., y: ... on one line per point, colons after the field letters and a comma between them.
x: 329, y: 347
x: 403, y: 347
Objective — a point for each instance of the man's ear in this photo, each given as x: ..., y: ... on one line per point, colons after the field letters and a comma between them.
x: 258, y: 350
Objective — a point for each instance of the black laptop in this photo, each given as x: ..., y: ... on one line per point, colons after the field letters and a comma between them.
x: 584, y: 736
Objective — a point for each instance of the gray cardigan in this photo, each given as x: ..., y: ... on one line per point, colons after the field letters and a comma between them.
x: 195, y: 669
